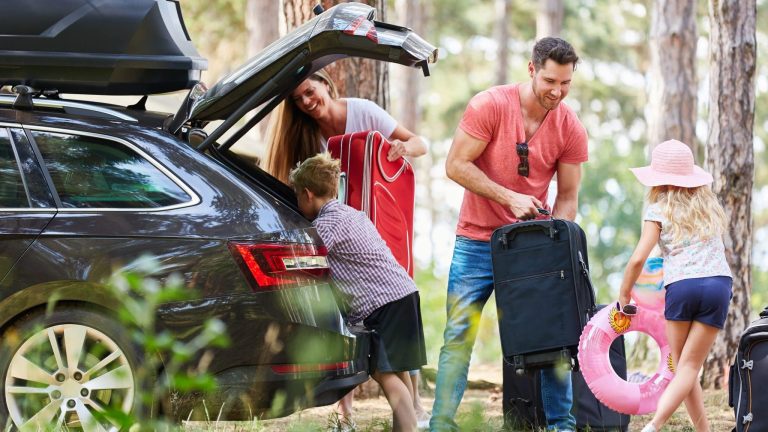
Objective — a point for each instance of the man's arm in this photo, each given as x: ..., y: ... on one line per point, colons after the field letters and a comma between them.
x: 460, y: 167
x: 568, y: 182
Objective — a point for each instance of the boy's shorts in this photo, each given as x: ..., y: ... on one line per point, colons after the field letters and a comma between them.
x: 398, y: 336
x: 704, y: 300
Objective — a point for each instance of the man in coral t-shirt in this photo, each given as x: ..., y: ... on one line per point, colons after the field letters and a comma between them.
x: 510, y: 143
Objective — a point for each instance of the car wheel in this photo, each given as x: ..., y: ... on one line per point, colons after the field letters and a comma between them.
x: 66, y: 369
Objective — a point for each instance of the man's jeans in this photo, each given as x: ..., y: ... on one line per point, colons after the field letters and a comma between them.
x: 470, y: 284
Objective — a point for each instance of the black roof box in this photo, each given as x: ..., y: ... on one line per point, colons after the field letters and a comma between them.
x: 117, y: 47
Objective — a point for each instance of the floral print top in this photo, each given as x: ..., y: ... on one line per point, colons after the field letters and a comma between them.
x: 691, y: 257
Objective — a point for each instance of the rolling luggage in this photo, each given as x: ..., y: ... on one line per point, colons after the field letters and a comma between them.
x: 382, y: 189
x: 543, y: 292
x: 522, y: 406
x: 748, y: 378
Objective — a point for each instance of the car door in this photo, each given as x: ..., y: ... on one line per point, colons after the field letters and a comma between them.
x: 26, y: 203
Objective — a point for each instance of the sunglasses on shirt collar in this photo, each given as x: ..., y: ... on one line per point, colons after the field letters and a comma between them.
x: 522, y: 152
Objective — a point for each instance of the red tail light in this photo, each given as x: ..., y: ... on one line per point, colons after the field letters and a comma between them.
x: 272, y: 266
x: 299, y: 368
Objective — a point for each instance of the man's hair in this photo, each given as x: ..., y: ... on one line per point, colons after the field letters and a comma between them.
x: 319, y: 174
x: 555, y: 49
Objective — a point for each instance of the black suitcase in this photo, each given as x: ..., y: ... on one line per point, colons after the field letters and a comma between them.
x: 543, y: 292
x: 749, y: 377
x: 522, y: 406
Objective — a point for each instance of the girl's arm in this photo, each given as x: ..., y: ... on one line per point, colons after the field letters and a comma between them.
x: 405, y: 143
x: 648, y: 239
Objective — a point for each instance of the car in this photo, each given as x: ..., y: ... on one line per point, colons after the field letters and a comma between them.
x: 88, y: 188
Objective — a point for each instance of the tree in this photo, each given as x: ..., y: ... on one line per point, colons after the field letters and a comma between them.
x: 354, y: 77
x: 262, y: 24
x: 503, y: 11
x: 730, y: 158
x: 549, y: 19
x: 672, y: 76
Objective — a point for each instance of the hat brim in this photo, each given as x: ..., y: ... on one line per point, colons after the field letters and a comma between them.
x: 649, y: 177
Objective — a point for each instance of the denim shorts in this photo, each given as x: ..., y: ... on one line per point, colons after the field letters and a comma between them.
x: 704, y: 300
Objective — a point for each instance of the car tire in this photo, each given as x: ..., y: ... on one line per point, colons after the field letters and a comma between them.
x: 41, y: 388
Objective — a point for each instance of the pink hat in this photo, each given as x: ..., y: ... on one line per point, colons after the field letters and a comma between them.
x: 672, y: 164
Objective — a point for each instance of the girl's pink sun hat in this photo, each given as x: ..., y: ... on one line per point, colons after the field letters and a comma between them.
x: 672, y: 165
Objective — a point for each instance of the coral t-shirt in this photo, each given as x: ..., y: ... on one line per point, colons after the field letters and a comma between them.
x: 494, y: 116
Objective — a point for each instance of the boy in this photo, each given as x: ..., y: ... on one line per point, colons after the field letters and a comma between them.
x: 379, y: 291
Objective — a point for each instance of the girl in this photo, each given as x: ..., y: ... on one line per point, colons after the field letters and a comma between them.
x: 684, y: 217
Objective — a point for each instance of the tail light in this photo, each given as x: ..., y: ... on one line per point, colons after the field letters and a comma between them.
x: 273, y: 266
x: 300, y: 368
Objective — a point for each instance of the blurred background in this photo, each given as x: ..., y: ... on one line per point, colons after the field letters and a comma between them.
x: 646, y: 74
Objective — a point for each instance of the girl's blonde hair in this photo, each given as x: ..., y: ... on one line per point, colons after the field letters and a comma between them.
x: 319, y: 173
x: 690, y: 211
x: 293, y: 136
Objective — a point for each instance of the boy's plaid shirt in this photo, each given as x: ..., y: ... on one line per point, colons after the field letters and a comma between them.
x: 361, y: 264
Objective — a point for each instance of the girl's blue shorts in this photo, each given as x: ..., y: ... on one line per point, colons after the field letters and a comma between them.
x: 704, y: 300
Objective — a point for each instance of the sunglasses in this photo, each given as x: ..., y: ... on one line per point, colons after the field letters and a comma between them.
x: 628, y: 309
x: 522, y: 152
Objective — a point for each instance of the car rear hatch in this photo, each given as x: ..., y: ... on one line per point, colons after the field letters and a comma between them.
x: 345, y: 30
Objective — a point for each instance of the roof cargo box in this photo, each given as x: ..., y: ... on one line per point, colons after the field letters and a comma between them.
x: 117, y: 47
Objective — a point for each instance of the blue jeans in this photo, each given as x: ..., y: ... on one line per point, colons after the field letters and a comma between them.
x: 470, y: 284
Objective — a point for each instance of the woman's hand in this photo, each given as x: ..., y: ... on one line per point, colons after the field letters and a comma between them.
x: 624, y: 299
x: 397, y: 150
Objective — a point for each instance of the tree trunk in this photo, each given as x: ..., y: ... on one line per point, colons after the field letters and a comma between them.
x: 262, y: 23
x: 354, y: 77
x: 672, y: 75
x: 730, y: 158
x: 503, y: 14
x: 549, y: 20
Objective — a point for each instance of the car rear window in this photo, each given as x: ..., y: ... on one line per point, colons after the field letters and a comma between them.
x: 92, y: 172
x: 12, y: 193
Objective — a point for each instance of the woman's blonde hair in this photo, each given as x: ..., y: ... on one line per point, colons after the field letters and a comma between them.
x: 293, y: 135
x: 319, y: 173
x: 690, y: 211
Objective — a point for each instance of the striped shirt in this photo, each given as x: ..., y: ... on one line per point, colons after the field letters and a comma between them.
x: 361, y: 264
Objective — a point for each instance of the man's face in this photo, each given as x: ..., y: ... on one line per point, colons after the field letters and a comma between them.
x: 551, y: 82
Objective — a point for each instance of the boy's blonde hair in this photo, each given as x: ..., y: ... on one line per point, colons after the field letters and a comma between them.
x: 319, y: 174
x: 690, y: 211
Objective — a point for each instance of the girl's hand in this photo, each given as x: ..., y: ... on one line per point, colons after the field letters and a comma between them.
x: 624, y: 299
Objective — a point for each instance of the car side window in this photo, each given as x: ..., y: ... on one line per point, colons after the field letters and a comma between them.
x: 91, y: 172
x: 12, y: 193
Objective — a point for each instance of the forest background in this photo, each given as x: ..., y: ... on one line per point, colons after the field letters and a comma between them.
x: 617, y: 92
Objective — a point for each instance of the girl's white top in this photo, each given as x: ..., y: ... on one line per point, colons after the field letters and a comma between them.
x: 691, y: 257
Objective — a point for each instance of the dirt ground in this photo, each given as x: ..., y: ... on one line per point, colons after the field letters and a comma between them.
x: 480, y: 411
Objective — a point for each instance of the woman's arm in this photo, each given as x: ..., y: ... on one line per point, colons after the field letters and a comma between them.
x: 405, y: 143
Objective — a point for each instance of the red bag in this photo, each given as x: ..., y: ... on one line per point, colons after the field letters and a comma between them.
x: 382, y: 189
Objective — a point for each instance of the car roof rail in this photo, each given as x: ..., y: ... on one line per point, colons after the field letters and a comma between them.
x: 25, y: 100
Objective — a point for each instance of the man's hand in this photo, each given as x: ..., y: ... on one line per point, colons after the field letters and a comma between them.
x: 524, y: 207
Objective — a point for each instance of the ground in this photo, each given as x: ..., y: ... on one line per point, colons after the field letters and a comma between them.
x: 480, y: 411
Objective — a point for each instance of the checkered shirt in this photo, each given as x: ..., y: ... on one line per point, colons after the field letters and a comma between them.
x: 362, y: 266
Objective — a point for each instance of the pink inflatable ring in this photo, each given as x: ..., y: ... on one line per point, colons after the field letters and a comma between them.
x: 594, y: 344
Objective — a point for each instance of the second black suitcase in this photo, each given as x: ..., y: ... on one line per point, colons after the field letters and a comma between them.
x: 522, y: 406
x: 543, y: 292
x: 748, y: 375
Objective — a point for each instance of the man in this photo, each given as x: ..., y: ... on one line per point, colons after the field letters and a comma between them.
x: 510, y: 143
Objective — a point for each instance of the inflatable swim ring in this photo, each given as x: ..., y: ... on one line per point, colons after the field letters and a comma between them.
x: 615, y: 392
x: 648, y: 291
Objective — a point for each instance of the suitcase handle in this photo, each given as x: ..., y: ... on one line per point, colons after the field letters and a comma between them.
x: 547, y: 227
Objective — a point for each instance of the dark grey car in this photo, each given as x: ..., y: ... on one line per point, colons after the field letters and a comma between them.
x: 87, y: 188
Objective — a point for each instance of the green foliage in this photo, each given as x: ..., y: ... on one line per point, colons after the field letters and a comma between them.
x: 166, y: 354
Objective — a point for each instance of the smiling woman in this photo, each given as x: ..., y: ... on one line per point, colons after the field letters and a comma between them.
x: 313, y: 112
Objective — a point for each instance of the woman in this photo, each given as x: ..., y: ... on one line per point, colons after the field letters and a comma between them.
x: 314, y: 112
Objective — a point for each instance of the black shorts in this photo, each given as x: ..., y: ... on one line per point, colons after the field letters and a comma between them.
x: 397, y: 341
